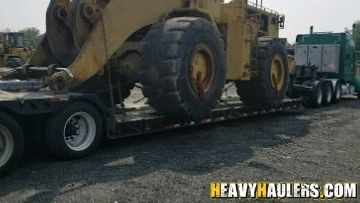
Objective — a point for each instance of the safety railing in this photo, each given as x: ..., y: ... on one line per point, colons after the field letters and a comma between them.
x: 262, y: 8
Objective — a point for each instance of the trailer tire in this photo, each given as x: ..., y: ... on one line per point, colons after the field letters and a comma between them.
x: 74, y: 132
x: 185, y: 67
x: 337, y: 93
x: 315, y: 98
x: 13, y: 62
x: 268, y: 87
x: 328, y: 93
x: 291, y: 93
x: 11, y: 144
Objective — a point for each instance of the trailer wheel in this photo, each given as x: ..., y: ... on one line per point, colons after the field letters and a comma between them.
x: 13, y: 62
x: 11, y: 144
x: 184, y: 71
x: 328, y: 93
x: 315, y: 98
x: 337, y: 93
x: 75, y: 131
x: 269, y: 85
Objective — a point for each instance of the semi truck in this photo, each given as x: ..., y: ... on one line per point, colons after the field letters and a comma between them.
x: 325, y: 68
x: 181, y: 53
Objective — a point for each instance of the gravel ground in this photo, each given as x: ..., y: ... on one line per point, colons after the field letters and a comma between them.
x: 177, y: 166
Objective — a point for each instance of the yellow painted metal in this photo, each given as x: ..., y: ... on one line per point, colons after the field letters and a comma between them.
x: 212, y: 7
x: 85, y: 13
x: 243, y: 23
x: 42, y: 56
x: 22, y: 53
x: 58, y: 30
x: 277, y: 73
x: 238, y: 43
x: 239, y: 23
x: 119, y: 20
x: 202, y: 68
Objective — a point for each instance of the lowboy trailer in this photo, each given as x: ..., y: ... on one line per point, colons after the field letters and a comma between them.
x: 71, y: 125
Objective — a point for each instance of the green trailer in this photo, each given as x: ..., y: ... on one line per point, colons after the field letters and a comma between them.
x: 326, y: 68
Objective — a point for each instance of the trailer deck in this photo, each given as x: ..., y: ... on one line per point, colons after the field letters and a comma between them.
x: 19, y: 110
x: 134, y: 119
x: 142, y: 119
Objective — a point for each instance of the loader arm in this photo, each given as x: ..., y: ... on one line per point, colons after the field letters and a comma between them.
x: 119, y: 20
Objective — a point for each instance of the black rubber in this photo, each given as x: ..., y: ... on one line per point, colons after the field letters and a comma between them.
x: 100, y: 86
x: 55, y: 127
x: 328, y: 91
x: 336, y: 100
x: 13, y: 62
x: 167, y: 51
x: 124, y: 89
x: 312, y: 100
x: 291, y: 93
x: 258, y: 91
x: 12, y: 125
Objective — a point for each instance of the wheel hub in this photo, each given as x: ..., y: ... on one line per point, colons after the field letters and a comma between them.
x: 277, y: 73
x: 80, y: 131
x: 73, y: 129
x: 6, y: 145
x: 202, y: 70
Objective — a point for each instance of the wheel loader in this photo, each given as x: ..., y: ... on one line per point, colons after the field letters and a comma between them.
x: 12, y: 50
x: 180, y: 52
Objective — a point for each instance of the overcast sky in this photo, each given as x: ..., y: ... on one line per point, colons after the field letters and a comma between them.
x: 325, y: 15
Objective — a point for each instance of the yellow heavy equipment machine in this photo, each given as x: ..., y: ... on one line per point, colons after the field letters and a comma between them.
x: 181, y: 52
x: 12, y: 50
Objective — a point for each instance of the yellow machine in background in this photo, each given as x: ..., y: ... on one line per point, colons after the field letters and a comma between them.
x: 12, y: 51
x: 181, y: 51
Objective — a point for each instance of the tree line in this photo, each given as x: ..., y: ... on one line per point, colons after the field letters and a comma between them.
x: 32, y: 37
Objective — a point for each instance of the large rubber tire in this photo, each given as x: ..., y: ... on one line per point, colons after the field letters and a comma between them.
x: 337, y: 93
x: 291, y: 90
x: 168, y: 50
x: 260, y: 91
x: 13, y: 63
x: 328, y: 93
x: 78, y: 122
x: 315, y: 98
x: 11, y: 144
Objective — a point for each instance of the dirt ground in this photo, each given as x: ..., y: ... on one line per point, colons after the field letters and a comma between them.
x: 314, y: 145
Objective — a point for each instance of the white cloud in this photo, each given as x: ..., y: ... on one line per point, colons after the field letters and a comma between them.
x: 19, y: 14
x: 324, y: 15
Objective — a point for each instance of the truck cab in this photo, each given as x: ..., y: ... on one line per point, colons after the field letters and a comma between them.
x: 357, y: 72
x: 326, y: 67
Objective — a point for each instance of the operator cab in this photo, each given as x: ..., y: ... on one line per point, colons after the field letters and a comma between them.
x: 14, y: 40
